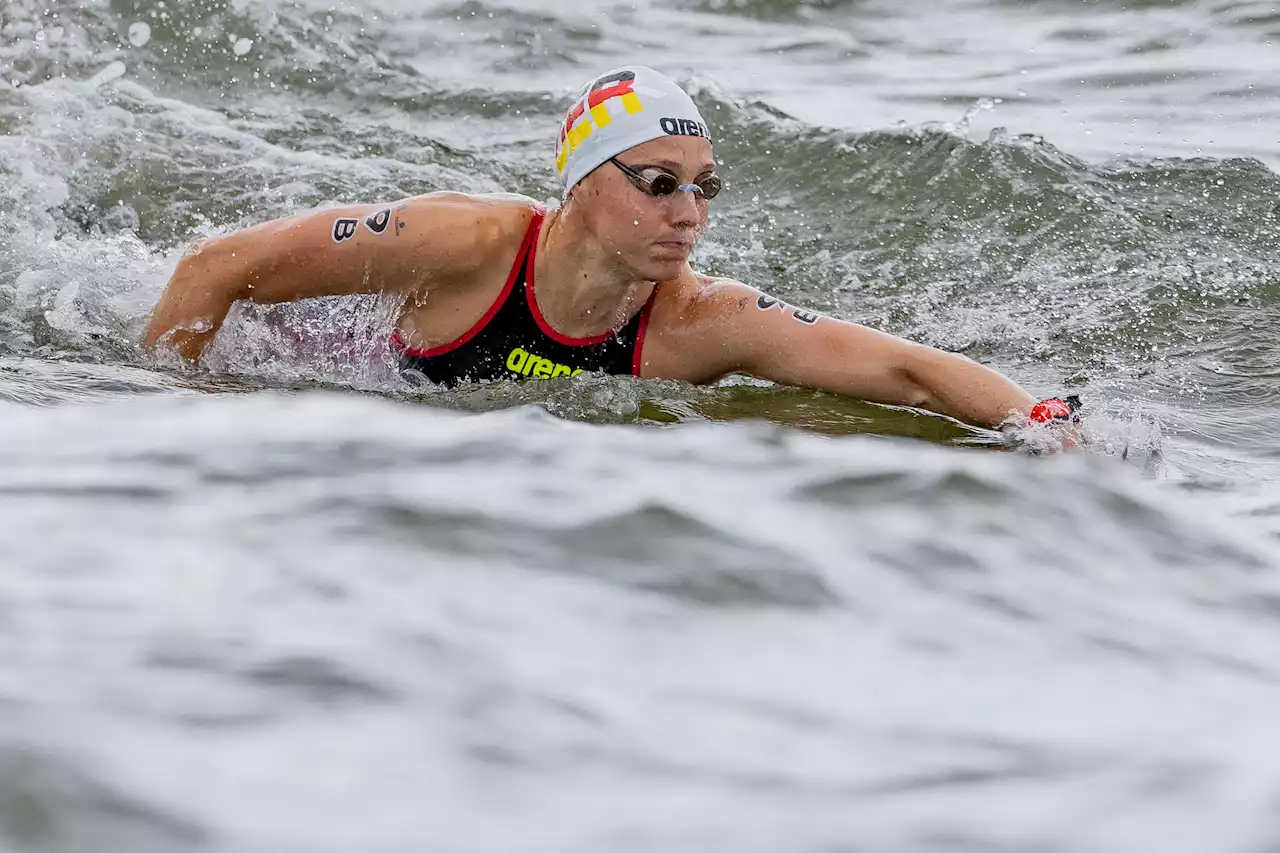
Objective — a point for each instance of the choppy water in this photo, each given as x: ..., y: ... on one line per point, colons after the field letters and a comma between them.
x: 283, y: 603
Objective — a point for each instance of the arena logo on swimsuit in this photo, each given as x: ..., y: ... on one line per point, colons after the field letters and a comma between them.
x: 578, y: 125
x: 537, y: 367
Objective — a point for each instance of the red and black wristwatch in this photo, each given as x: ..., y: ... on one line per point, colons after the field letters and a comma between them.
x: 1057, y: 409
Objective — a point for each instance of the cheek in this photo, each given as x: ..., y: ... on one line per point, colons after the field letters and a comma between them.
x: 625, y: 224
x: 635, y: 226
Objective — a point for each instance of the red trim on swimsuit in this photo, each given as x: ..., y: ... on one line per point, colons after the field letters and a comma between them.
x: 527, y: 247
x: 636, y: 362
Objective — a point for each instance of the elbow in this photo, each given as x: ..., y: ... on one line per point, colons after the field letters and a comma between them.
x: 913, y: 372
x: 926, y: 373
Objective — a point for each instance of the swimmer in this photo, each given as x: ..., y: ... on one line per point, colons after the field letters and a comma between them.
x: 500, y: 287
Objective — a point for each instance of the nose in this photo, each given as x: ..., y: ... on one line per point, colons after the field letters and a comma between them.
x: 686, y: 210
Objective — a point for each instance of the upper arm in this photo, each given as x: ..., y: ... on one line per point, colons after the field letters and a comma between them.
x: 368, y: 248
x: 718, y: 327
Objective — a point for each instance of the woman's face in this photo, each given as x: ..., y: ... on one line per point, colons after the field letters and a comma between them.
x: 651, y: 236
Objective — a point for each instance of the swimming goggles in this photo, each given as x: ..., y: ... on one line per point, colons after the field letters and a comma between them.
x: 665, y: 183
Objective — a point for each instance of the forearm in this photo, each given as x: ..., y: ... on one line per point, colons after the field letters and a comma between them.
x: 954, y: 385
x: 728, y: 327
x: 205, y: 285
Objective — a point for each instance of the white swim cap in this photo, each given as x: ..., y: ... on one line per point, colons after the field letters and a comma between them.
x: 620, y: 110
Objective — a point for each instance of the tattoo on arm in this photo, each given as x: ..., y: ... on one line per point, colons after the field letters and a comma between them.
x: 344, y: 228
x: 767, y: 302
x: 377, y: 222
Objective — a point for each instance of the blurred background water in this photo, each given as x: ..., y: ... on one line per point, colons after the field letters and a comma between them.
x: 284, y: 602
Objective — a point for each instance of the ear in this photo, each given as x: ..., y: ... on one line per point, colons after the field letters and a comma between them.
x: 577, y: 191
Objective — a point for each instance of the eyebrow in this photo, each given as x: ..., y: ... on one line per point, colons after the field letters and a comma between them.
x: 672, y: 166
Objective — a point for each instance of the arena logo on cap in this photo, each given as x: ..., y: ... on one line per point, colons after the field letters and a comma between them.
x: 684, y: 127
x: 574, y: 132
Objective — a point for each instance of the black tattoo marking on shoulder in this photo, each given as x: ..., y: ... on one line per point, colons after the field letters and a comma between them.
x: 399, y: 225
x: 767, y: 302
x: 377, y: 223
x: 344, y: 228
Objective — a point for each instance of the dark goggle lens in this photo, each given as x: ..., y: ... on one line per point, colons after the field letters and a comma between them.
x: 664, y: 184
x: 711, y: 186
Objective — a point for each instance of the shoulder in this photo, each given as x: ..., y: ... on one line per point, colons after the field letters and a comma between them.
x: 693, y: 332
x: 693, y: 301
x: 470, y: 227
x: 455, y: 235
x: 490, y: 208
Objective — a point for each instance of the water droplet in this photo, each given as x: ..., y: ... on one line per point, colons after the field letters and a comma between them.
x: 242, y: 46
x: 139, y: 33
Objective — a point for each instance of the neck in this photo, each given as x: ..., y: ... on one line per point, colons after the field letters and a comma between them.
x: 581, y: 289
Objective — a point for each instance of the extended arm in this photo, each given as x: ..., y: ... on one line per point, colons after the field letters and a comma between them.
x: 728, y: 327
x: 358, y: 249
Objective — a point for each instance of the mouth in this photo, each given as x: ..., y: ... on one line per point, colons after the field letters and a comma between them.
x: 675, y: 245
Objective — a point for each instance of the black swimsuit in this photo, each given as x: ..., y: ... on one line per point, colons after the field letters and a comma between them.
x: 514, y: 341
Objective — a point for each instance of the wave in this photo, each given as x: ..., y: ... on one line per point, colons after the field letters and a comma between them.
x: 1117, y: 276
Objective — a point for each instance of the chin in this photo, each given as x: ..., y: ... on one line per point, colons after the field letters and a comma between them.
x: 661, y: 270
x: 665, y: 267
